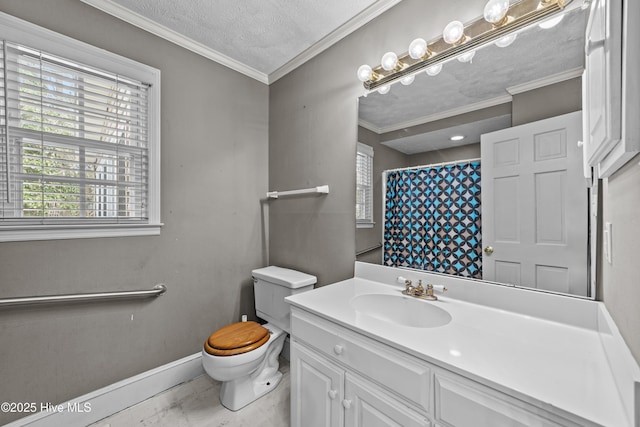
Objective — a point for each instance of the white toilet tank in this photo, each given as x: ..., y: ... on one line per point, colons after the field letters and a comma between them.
x: 271, y: 285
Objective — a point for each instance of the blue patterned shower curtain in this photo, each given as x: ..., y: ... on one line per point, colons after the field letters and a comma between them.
x: 432, y: 219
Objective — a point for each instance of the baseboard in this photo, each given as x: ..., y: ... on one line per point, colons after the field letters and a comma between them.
x: 106, y: 401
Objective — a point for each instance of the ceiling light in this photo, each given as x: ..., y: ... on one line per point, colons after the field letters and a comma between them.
x: 457, y: 138
x: 506, y: 40
x: 499, y: 22
x: 453, y: 33
x: 434, y: 70
x: 550, y: 23
x: 389, y: 61
x: 495, y: 12
x: 408, y: 80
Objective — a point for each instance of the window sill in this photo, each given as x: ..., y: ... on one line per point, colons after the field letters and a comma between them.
x: 61, y: 232
x: 365, y: 224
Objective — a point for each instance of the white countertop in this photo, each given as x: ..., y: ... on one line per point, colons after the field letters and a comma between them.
x: 559, y: 365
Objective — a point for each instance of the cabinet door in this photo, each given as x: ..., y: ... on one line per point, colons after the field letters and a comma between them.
x: 316, y: 390
x: 367, y: 406
x: 602, y: 79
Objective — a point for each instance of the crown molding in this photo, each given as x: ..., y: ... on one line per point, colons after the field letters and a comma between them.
x: 373, y: 128
x: 439, y: 116
x: 545, y: 81
x: 161, y: 31
x: 370, y: 13
x: 120, y: 12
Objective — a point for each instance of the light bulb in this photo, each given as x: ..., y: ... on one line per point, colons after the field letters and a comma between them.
x: 408, y: 80
x: 506, y: 40
x: 550, y: 23
x: 457, y: 137
x: 417, y: 48
x: 453, y: 32
x: 384, y: 89
x: 434, y: 70
x: 389, y: 61
x: 496, y: 10
x: 364, y: 73
x: 467, y: 57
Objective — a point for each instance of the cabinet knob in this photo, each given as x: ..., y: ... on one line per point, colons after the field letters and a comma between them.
x: 346, y: 403
x: 333, y: 394
x: 337, y: 349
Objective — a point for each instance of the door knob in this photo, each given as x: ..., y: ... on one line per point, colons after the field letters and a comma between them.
x: 333, y: 394
x: 488, y: 250
x: 346, y: 403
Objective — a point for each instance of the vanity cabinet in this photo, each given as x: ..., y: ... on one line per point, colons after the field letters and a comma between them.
x: 341, y: 378
x: 325, y: 394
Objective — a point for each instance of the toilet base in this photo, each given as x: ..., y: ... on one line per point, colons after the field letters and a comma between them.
x: 238, y: 393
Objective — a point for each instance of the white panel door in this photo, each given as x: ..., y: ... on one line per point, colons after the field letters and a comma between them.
x: 534, y: 206
x: 317, y: 387
x: 365, y: 406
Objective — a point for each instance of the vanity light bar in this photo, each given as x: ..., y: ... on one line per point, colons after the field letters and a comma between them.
x: 478, y: 33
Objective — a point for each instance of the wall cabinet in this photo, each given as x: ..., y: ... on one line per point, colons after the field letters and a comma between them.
x: 611, y: 90
x: 340, y: 378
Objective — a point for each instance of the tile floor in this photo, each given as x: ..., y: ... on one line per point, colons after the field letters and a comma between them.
x: 197, y: 403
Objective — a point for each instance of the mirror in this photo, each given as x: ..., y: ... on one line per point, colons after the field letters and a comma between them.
x: 534, y: 79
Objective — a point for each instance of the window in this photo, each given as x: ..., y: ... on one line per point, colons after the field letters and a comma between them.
x: 79, y: 144
x: 364, y: 186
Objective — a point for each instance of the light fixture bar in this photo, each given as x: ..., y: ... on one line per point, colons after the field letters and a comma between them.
x: 478, y: 33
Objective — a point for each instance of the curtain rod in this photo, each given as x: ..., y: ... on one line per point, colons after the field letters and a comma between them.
x: 433, y: 165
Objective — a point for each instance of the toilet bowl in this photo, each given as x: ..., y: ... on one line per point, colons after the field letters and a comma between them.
x: 248, y: 375
x: 244, y: 355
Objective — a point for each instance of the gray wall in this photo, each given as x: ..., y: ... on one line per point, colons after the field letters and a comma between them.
x: 620, y: 279
x: 547, y: 101
x: 313, y: 134
x: 214, y: 172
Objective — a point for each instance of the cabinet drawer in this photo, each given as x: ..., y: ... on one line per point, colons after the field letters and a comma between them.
x: 460, y: 402
x: 393, y: 370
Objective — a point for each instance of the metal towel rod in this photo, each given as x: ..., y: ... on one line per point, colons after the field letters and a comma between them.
x: 373, y: 248
x: 157, y: 290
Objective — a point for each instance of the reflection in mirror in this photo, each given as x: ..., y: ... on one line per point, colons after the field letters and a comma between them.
x: 524, y: 220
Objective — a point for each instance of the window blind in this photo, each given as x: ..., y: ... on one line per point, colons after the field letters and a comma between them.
x: 364, y: 184
x: 74, y: 141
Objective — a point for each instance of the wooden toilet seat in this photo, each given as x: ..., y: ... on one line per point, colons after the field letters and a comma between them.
x: 236, y: 338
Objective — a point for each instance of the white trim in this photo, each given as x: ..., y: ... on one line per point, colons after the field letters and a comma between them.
x: 446, y: 114
x: 334, y: 37
x: 546, y: 81
x: 108, y: 400
x: 85, y: 231
x: 163, y: 32
x: 373, y: 128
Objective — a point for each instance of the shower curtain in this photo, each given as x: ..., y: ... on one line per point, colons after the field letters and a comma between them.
x: 432, y: 219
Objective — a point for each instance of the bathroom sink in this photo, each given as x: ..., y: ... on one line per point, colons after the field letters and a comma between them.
x: 401, y: 310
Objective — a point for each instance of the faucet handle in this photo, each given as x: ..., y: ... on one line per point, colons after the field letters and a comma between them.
x: 439, y: 288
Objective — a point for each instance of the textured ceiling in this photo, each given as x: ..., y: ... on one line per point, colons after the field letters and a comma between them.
x: 536, y: 54
x: 261, y: 34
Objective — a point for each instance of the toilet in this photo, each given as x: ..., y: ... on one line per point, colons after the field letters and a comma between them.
x: 244, y: 355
